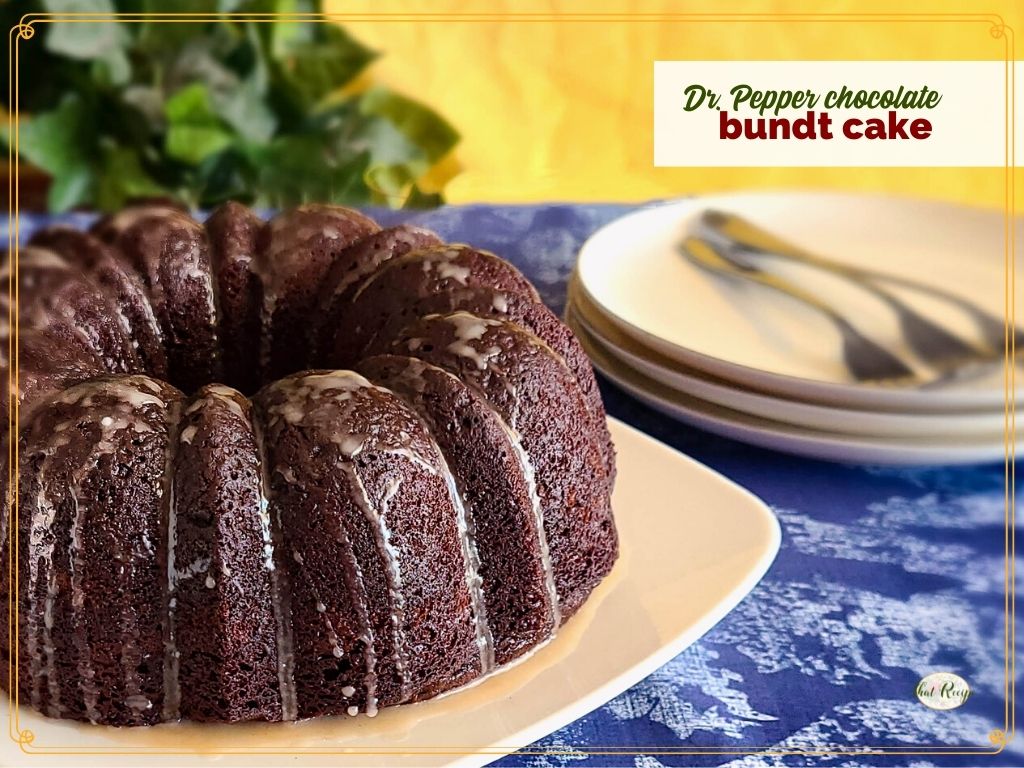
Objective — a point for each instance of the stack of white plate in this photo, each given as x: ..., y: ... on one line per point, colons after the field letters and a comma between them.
x: 741, y: 360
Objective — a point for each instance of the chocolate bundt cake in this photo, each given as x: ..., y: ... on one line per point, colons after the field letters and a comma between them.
x: 279, y: 470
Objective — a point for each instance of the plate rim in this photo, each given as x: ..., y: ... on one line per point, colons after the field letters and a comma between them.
x: 822, y: 446
x: 937, y: 423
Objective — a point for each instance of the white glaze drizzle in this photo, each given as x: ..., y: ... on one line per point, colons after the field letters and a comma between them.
x: 428, y: 257
x: 52, y: 683
x: 124, y: 322
x: 332, y: 633
x: 86, y: 673
x: 298, y: 392
x: 332, y: 388
x: 471, y: 328
x: 449, y: 270
x: 194, y: 269
x: 5, y: 331
x: 6, y: 513
x: 267, y: 308
x: 339, y: 387
x: 530, y: 476
x: 41, y: 530
x: 401, y: 236
x: 85, y: 393
x: 134, y: 699
x: 393, y: 573
x: 151, y: 321
x: 172, y: 688
x: 270, y: 526
x: 228, y: 397
x: 471, y: 558
x: 190, y: 571
x: 147, y: 383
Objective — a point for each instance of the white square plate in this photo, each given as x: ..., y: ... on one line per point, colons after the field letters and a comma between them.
x: 693, y: 544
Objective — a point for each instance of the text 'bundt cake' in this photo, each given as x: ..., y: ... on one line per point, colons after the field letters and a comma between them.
x: 416, y: 494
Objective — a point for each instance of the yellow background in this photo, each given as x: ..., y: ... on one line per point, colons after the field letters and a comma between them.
x: 562, y: 111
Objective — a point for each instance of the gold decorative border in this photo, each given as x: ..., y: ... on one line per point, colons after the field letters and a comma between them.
x: 998, y: 30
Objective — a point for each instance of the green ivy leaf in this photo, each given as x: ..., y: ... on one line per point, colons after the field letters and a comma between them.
x: 226, y: 176
x: 244, y: 110
x: 421, y: 125
x: 102, y: 42
x: 245, y: 107
x: 284, y: 36
x: 69, y: 189
x: 418, y: 199
x: 298, y: 169
x: 395, y: 164
x: 390, y: 182
x: 313, y: 69
x: 83, y: 40
x: 387, y: 145
x: 194, y: 131
x: 122, y: 178
x: 60, y: 141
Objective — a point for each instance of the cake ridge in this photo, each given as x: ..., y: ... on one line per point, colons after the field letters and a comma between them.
x: 492, y: 504
x: 356, y: 263
x: 369, y: 637
x: 530, y: 476
x: 90, y: 693
x: 400, y: 651
x: 471, y: 555
x: 297, y: 390
x: 121, y: 286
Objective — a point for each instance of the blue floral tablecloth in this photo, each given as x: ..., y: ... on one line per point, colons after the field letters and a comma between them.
x: 884, y: 576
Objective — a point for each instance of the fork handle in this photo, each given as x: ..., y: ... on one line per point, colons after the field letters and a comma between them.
x: 749, y: 235
x: 706, y: 256
x: 866, y: 360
